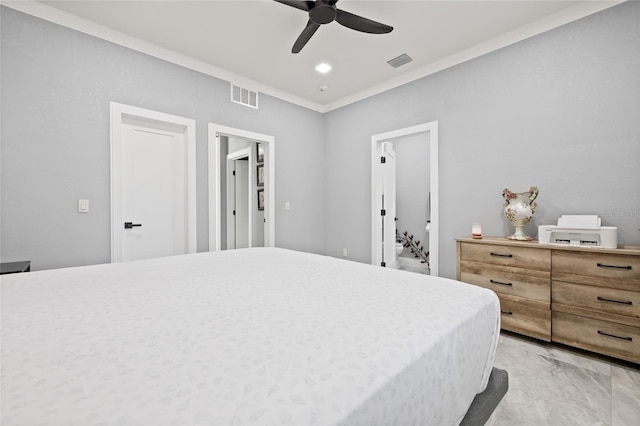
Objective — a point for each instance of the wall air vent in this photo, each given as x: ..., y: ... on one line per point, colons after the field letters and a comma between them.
x: 243, y: 96
x: 400, y: 60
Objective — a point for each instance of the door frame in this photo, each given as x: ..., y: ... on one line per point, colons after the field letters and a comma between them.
x: 232, y: 157
x: 118, y: 112
x: 431, y: 138
x: 215, y: 179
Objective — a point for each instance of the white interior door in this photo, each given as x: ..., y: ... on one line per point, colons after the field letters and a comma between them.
x: 153, y: 185
x: 242, y: 203
x: 388, y: 213
x: 239, y: 201
x: 153, y: 198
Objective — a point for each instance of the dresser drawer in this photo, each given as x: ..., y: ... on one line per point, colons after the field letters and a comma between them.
x: 604, y: 269
x: 521, y: 257
x: 526, y: 317
x: 526, y: 283
x: 594, y: 298
x: 617, y: 340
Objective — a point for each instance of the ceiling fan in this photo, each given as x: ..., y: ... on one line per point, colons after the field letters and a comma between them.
x: 325, y: 11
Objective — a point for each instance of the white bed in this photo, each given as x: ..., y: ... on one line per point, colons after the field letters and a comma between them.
x: 256, y: 336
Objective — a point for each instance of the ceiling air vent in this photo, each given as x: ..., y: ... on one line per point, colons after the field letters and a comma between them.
x: 243, y: 96
x: 400, y: 60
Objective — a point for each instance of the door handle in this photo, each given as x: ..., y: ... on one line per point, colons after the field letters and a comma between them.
x: 129, y: 225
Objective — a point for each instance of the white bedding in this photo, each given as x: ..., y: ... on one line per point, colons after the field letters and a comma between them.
x: 256, y: 336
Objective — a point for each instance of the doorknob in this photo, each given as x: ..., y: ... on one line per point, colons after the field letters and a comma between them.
x: 129, y: 225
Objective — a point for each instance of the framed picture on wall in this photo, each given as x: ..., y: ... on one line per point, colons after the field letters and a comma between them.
x: 259, y: 153
x: 261, y: 199
x: 260, y: 174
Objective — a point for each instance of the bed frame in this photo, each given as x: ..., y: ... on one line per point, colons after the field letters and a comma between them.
x: 486, y: 402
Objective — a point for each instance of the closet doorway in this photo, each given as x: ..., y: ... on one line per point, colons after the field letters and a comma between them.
x: 383, y: 227
x: 231, y: 144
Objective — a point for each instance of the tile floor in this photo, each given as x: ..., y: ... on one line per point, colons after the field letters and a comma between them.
x: 551, y: 384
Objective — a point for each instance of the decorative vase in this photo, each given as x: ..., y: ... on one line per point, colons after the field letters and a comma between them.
x: 519, y: 208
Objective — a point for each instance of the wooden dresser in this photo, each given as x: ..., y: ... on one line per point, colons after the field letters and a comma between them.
x: 519, y: 273
x: 583, y: 297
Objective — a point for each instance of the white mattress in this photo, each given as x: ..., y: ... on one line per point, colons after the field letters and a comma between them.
x: 254, y: 336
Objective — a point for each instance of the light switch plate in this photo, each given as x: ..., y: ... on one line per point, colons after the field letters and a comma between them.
x: 83, y: 206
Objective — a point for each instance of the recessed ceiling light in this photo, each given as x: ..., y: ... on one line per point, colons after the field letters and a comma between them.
x: 323, y: 68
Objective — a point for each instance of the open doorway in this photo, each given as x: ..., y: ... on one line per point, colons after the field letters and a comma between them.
x: 226, y: 143
x: 425, y: 200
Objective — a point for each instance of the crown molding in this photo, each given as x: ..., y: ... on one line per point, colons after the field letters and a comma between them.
x: 565, y: 16
x: 68, y: 20
x: 578, y: 11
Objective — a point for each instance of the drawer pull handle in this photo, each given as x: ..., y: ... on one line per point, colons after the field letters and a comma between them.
x: 501, y: 255
x: 602, y: 265
x: 628, y: 339
x: 506, y: 312
x: 622, y: 302
x: 498, y: 282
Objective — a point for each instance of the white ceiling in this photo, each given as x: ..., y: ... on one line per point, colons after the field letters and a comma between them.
x: 251, y: 41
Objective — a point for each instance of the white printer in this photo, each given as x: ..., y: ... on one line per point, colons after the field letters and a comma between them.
x: 579, y: 231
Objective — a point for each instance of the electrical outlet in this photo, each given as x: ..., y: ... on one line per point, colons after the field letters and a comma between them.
x: 344, y: 252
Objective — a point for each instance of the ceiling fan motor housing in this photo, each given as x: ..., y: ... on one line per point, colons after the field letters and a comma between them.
x: 323, y: 13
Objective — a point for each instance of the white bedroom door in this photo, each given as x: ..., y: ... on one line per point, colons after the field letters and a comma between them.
x: 154, y: 204
x: 153, y: 184
x: 238, y: 200
x: 388, y: 214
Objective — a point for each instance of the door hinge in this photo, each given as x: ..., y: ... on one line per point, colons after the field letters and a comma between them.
x: 234, y: 212
x: 383, y: 159
x: 383, y: 212
x: 234, y: 172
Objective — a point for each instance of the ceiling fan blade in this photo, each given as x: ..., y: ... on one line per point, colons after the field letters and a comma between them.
x: 304, y: 37
x: 302, y: 5
x: 359, y: 23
